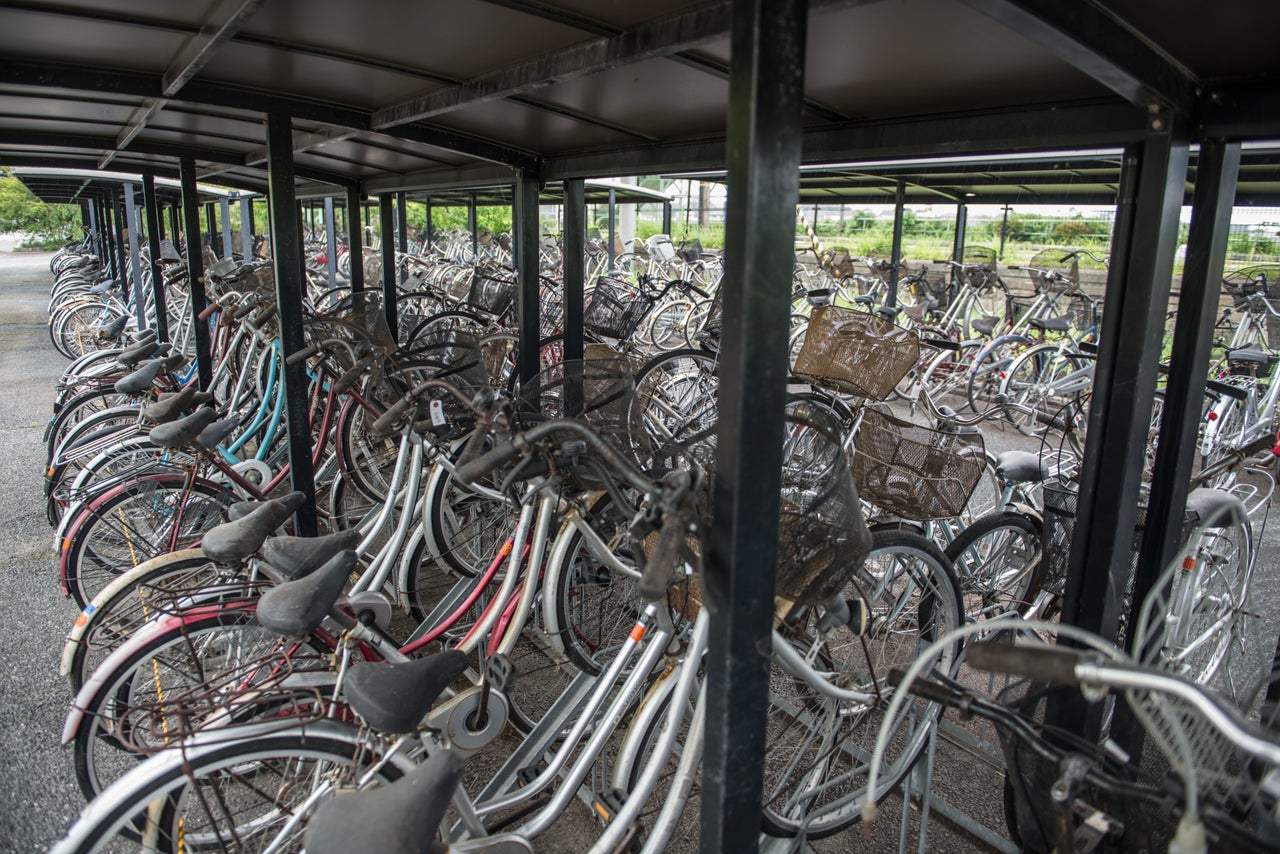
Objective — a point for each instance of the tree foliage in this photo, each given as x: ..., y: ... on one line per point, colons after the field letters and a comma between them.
x: 21, y: 211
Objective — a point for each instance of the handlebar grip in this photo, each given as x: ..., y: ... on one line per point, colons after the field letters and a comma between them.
x: 244, y: 310
x: 350, y: 378
x: 1226, y: 388
x: 657, y: 568
x: 1015, y: 266
x: 470, y: 472
x: 940, y: 344
x: 1051, y: 664
x: 302, y: 355
x: 386, y: 422
x: 209, y: 311
x: 926, y: 688
x: 475, y: 443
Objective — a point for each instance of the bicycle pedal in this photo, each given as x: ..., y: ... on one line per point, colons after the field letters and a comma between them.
x: 500, y: 672
x: 607, y: 803
x: 529, y: 773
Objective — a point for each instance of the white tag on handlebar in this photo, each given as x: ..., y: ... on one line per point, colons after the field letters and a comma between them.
x: 437, y: 413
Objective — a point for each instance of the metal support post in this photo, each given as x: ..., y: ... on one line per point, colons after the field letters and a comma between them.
x: 224, y: 214
x: 109, y: 241
x: 154, y: 235
x: 331, y: 242
x: 388, y: 263
x: 135, y: 262
x: 575, y: 248
x: 287, y: 260
x: 1004, y: 231
x: 195, y: 269
x: 766, y: 88
x: 173, y: 224
x: 1152, y: 182
x: 527, y: 191
x: 666, y: 217
x: 895, y: 258
x: 121, y: 224
x: 402, y: 220
x: 429, y: 225
x: 246, y: 229
x: 473, y: 227
x: 962, y: 227
x: 355, y: 241
x: 613, y: 223
x: 211, y: 223
x: 93, y: 219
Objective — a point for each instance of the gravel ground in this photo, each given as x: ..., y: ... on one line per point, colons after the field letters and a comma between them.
x: 43, y: 799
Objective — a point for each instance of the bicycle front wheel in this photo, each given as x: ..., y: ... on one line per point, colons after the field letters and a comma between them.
x: 819, y: 747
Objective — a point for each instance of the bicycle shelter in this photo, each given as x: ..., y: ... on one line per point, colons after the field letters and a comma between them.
x: 328, y: 99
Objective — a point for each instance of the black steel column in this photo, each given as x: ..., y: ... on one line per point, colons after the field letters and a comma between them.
x: 575, y: 248
x: 88, y: 206
x: 613, y: 223
x: 388, y: 263
x: 109, y: 240
x: 224, y: 212
x: 1152, y: 182
x: 765, y: 94
x: 962, y: 227
x: 287, y: 261
x: 135, y: 262
x: 895, y: 259
x: 173, y: 224
x: 211, y: 222
x: 666, y: 217
x: 154, y: 236
x: 246, y: 229
x: 429, y: 229
x: 195, y: 269
x: 355, y: 241
x: 117, y: 216
x: 402, y: 219
x: 473, y: 228
x: 527, y: 197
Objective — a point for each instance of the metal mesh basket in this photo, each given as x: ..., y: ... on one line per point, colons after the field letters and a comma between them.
x: 822, y: 537
x: 1054, y: 260
x: 1257, y: 279
x: 599, y: 390
x: 983, y: 256
x: 492, y: 291
x: 616, y: 309
x: 856, y: 352
x: 914, y: 472
x: 839, y: 263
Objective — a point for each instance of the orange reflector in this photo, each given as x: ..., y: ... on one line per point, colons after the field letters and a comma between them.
x: 1188, y: 563
x: 637, y: 633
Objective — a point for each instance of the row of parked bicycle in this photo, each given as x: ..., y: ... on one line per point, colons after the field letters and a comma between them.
x: 511, y: 570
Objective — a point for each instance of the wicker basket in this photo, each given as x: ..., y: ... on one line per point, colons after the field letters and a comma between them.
x: 914, y: 472
x: 856, y: 352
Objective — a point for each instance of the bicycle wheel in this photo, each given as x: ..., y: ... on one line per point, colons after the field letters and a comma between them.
x: 135, y: 598
x: 172, y: 679
x: 990, y: 367
x: 463, y: 529
x: 232, y: 796
x: 997, y: 561
x: 1043, y: 379
x: 948, y: 372
x: 677, y: 393
x: 665, y: 327
x: 818, y: 748
x: 136, y: 523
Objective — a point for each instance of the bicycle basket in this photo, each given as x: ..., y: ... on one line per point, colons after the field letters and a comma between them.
x: 822, y: 536
x: 599, y: 390
x: 1257, y: 279
x: 617, y: 308
x: 981, y: 255
x: 492, y: 291
x: 660, y: 248
x: 1054, y: 260
x: 839, y: 264
x: 856, y: 352
x: 913, y: 471
x: 690, y: 251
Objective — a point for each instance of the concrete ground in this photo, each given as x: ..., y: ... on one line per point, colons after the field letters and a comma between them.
x: 41, y: 798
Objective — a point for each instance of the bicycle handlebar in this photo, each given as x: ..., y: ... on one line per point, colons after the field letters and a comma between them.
x: 1052, y: 664
x: 385, y: 423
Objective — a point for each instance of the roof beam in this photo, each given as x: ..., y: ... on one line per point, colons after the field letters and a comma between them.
x: 1096, y: 42
x: 645, y: 41
x: 219, y: 27
x: 302, y: 143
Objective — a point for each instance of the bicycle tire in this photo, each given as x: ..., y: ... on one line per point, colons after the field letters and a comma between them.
x: 89, y: 560
x: 167, y: 777
x: 678, y: 393
x: 997, y: 562
x: 1029, y: 381
x: 913, y: 597
x: 984, y: 375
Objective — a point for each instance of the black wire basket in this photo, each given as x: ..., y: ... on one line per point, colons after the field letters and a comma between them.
x: 492, y: 291
x: 617, y: 308
x: 822, y: 536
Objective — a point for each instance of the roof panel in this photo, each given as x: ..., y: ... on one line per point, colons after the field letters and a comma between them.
x: 515, y: 124
x: 1212, y: 39
x: 54, y: 108
x: 31, y: 34
x: 188, y: 14
x: 621, y: 13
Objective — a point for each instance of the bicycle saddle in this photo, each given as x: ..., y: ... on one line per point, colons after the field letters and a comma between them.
x: 293, y: 557
x: 115, y: 327
x: 1052, y: 324
x: 141, y: 379
x: 169, y: 252
x: 985, y: 325
x: 865, y: 299
x: 135, y: 353
x: 1020, y: 467
x: 1217, y: 504
x: 234, y: 541
x: 102, y: 287
x: 142, y: 335
x: 1250, y: 353
x: 402, y: 817
x: 395, y: 697
x: 297, y: 608
x: 170, y: 406
x: 182, y: 432
x: 211, y: 437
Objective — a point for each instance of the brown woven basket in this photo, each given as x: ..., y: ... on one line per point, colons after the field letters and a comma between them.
x: 855, y: 352
x: 914, y: 472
